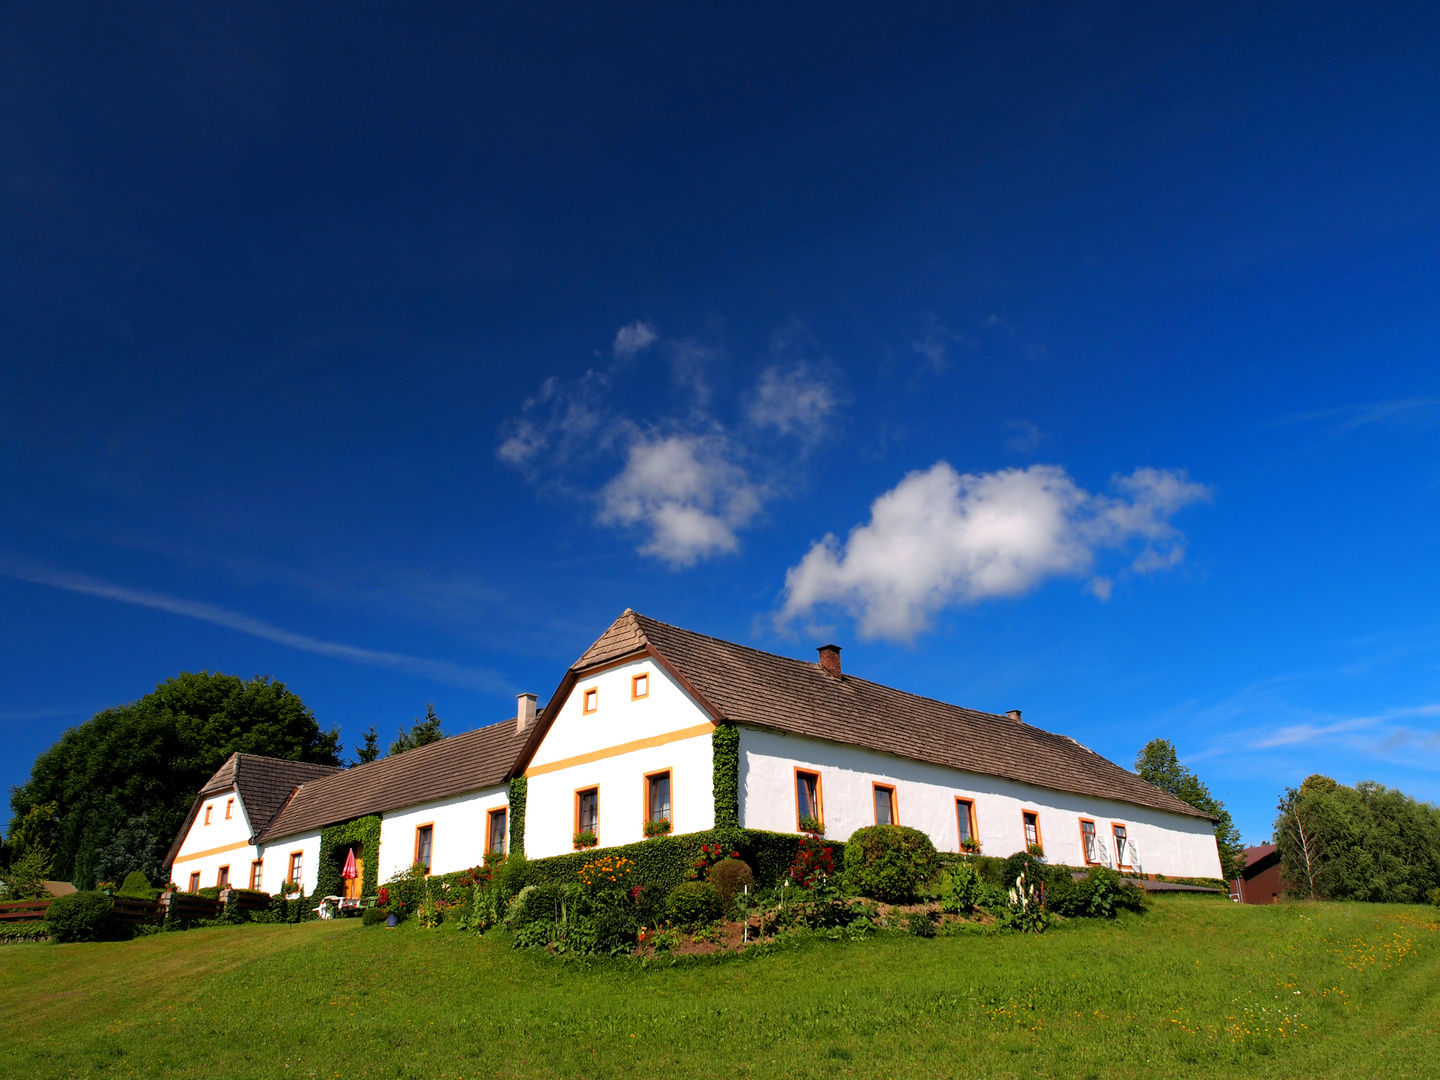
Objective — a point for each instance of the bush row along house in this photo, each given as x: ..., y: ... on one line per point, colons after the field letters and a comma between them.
x: 629, y: 739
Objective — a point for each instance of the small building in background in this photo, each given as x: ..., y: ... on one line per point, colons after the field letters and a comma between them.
x: 1259, y: 882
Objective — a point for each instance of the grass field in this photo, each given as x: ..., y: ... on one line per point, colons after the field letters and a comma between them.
x: 1195, y: 986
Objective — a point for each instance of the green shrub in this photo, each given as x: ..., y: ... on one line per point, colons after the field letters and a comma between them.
x: 373, y: 916
x: 1022, y: 862
x: 960, y: 889
x: 694, y: 904
x: 135, y: 884
x: 889, y: 862
x: 920, y: 924
x: 1100, y: 895
x: 81, y: 916
x: 730, y: 876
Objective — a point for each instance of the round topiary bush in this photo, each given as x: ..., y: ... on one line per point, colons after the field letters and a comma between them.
x: 81, y: 916
x: 730, y: 876
x: 889, y: 862
x: 373, y: 916
x: 694, y: 904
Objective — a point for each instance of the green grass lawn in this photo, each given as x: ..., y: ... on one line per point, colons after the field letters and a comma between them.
x: 1193, y: 987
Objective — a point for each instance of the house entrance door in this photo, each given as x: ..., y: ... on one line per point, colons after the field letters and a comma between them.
x: 352, y: 887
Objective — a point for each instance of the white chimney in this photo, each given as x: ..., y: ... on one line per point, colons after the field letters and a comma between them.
x: 524, y: 711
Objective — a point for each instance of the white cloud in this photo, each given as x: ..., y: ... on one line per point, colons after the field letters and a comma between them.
x: 798, y: 399
x: 687, y: 484
x: 686, y: 491
x: 939, y: 538
x: 635, y: 338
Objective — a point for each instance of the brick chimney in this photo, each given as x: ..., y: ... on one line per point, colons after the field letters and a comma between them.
x: 524, y: 711
x: 1014, y: 714
x: 830, y: 660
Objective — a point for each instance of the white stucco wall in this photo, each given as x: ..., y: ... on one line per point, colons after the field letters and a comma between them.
x: 458, y: 842
x: 668, y: 718
x: 277, y: 861
x: 1172, y: 844
x: 206, y: 848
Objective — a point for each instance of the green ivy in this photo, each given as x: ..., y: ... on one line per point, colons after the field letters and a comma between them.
x: 518, y: 787
x: 364, y: 831
x: 661, y: 862
x: 725, y: 752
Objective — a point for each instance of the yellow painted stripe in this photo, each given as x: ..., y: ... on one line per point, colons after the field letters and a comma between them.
x: 212, y: 851
x: 624, y: 748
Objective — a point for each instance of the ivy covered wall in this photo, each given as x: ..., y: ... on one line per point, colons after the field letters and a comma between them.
x: 518, y: 788
x: 725, y: 752
x: 334, y: 841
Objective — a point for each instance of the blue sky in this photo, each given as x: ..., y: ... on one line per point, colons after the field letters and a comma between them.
x: 1082, y: 362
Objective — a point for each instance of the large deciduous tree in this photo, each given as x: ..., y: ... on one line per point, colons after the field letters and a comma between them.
x: 1159, y: 764
x: 1368, y: 842
x: 122, y: 782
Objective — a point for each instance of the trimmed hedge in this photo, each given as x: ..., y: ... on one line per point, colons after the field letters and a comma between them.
x: 32, y: 930
x: 889, y: 862
x: 81, y: 916
x: 662, y: 861
x: 694, y: 904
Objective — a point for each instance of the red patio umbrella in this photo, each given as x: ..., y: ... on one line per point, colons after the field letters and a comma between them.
x: 349, y: 873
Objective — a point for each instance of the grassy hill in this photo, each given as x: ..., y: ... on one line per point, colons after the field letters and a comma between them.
x: 1192, y: 987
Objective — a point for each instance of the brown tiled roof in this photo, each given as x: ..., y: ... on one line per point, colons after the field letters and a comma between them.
x: 477, y: 759
x: 748, y: 686
x: 264, y: 783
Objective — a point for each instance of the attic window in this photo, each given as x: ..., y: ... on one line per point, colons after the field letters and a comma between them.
x: 209, y: 809
x: 229, y: 808
x: 591, y: 700
x: 640, y: 686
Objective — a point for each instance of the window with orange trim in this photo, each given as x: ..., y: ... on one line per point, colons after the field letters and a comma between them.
x: 495, y: 833
x: 195, y: 881
x: 257, y: 869
x: 209, y: 809
x: 657, y: 796
x: 424, y: 843
x: 1031, y: 821
x: 222, y: 878
x: 965, y: 821
x: 296, y: 858
x: 1122, y: 854
x: 229, y: 808
x: 587, y: 811
x: 885, y: 805
x: 591, y: 700
x: 808, y: 807
x: 1087, y: 840
x: 640, y: 686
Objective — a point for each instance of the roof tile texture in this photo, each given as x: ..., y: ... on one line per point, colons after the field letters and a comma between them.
x: 799, y: 697
x: 477, y: 759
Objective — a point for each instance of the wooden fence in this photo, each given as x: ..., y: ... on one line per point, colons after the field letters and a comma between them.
x: 129, y: 909
x: 23, y: 910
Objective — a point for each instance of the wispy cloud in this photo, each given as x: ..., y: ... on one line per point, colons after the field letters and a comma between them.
x: 939, y: 539
x: 688, y: 482
x: 438, y: 670
x: 1348, y: 418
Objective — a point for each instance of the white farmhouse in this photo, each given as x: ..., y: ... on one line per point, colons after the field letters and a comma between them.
x: 645, y: 721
